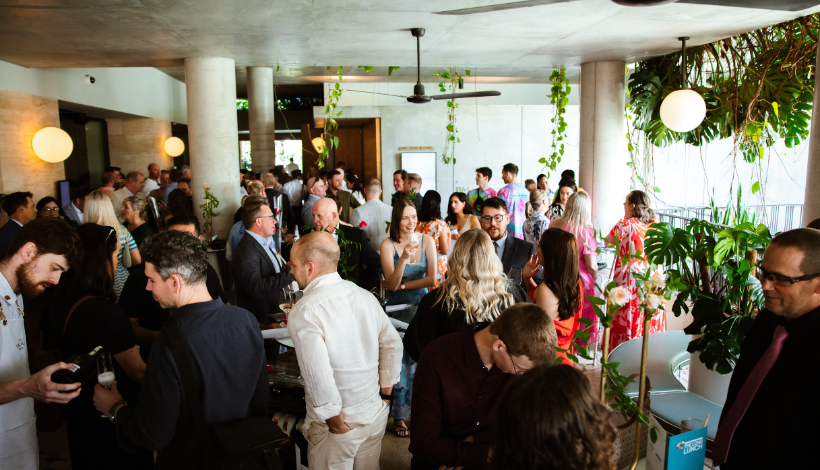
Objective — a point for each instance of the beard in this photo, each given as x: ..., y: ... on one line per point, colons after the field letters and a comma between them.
x: 29, y: 286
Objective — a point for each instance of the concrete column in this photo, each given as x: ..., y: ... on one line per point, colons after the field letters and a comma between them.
x: 261, y: 113
x: 603, y: 153
x: 212, y: 136
x: 811, y: 200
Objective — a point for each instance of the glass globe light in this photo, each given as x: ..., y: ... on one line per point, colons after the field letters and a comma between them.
x: 52, y: 144
x: 683, y: 110
x: 174, y: 146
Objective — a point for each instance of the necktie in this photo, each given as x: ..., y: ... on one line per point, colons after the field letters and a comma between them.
x: 495, y: 244
x: 723, y: 439
x: 274, y: 256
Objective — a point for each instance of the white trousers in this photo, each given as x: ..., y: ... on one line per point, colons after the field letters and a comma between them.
x: 357, y: 449
x: 18, y: 448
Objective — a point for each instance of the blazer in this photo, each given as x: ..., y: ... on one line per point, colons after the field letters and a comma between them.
x: 258, y: 285
x: 71, y: 215
x: 362, y: 255
x: 7, y: 233
x: 517, y: 252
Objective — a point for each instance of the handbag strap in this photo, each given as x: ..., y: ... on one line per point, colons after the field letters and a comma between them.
x: 171, y: 331
x: 71, y: 312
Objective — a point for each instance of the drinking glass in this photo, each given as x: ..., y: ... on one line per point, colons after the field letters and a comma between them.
x: 287, y: 300
x: 105, y: 373
x: 413, y: 242
x: 515, y: 275
x: 690, y: 424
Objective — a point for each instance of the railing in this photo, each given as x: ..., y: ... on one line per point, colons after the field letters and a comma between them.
x: 777, y: 217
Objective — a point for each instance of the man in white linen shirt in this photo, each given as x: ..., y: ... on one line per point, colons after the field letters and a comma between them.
x: 374, y: 213
x: 350, y: 357
x: 152, y: 181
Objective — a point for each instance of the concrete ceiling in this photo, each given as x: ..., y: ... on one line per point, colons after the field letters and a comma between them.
x: 303, y: 36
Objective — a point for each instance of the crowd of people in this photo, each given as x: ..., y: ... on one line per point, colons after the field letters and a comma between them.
x: 493, y: 289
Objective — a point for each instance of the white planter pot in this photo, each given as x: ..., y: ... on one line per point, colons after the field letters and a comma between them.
x: 707, y: 383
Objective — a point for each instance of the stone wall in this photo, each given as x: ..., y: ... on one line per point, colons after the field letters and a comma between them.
x: 133, y: 144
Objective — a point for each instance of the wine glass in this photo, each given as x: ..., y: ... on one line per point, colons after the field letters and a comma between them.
x: 413, y: 246
x: 105, y: 372
x: 287, y: 301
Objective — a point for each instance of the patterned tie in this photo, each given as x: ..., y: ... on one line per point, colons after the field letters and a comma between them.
x: 726, y: 429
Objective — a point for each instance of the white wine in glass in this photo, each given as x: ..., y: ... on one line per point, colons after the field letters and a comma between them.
x: 286, y: 307
x: 105, y: 373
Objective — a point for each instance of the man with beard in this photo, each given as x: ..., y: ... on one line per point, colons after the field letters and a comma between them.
x: 513, y: 252
x: 39, y: 253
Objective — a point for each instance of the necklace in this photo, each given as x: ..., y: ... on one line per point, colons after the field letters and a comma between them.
x: 3, y: 315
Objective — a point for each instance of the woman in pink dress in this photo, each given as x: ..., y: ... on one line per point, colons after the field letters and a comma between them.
x: 630, y: 234
x: 577, y: 220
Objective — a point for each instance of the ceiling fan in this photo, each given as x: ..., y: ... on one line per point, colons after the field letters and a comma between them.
x: 418, y: 95
x: 783, y: 5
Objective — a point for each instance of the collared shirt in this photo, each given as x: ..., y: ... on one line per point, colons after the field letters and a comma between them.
x: 78, y: 214
x: 455, y: 396
x: 268, y: 246
x: 295, y: 191
x: 374, y: 213
x: 786, y: 407
x: 499, y: 246
x: 13, y: 360
x: 16, y: 222
x: 347, y: 350
x: 227, y: 358
x: 150, y: 185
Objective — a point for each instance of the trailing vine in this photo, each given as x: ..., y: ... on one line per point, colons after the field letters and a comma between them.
x: 453, y: 77
x: 331, y: 141
x: 559, y: 98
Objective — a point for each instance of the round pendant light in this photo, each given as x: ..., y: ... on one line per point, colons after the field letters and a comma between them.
x: 174, y: 146
x: 683, y: 110
x: 52, y: 144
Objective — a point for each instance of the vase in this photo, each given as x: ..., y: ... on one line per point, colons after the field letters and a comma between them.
x: 707, y: 383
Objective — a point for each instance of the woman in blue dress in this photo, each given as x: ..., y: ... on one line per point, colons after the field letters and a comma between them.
x: 406, y: 281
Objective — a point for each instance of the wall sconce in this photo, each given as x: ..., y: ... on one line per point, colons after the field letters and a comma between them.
x: 684, y: 109
x: 52, y: 144
x: 318, y: 144
x: 174, y: 146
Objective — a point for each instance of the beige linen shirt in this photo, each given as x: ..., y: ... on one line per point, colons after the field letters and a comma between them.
x: 347, y: 350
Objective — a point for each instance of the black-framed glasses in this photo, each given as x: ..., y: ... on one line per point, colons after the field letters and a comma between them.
x: 515, y: 369
x: 489, y: 218
x: 779, y: 279
x: 50, y: 209
x: 266, y: 216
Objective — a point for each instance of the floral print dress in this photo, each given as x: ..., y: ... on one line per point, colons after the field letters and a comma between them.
x: 433, y: 229
x: 628, y: 322
x: 534, y: 226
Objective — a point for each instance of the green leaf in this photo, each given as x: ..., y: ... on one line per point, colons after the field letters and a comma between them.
x: 656, y: 189
x: 666, y: 245
x: 756, y: 187
x: 391, y: 68
x: 468, y: 73
x: 277, y: 68
x: 367, y: 68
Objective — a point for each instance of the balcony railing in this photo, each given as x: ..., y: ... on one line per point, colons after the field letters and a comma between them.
x: 777, y: 217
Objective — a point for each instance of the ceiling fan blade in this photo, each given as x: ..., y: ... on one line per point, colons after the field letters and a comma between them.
x: 375, y: 93
x: 473, y: 94
x: 503, y: 6
x: 782, y: 5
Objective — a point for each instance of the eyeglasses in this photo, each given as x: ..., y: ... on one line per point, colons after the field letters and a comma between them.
x: 50, y: 209
x: 266, y: 216
x: 781, y: 280
x: 515, y: 369
x: 489, y: 218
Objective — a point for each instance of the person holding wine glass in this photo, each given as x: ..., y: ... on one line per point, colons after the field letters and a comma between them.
x: 85, y: 315
x: 409, y: 271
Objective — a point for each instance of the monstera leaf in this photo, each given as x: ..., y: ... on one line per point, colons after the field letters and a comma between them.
x: 666, y: 245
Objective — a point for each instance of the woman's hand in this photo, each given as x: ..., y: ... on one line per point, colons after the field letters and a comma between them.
x: 531, y: 268
x: 454, y: 236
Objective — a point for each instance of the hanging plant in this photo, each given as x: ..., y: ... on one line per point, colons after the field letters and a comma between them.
x: 559, y: 98
x: 332, y: 100
x: 451, y: 77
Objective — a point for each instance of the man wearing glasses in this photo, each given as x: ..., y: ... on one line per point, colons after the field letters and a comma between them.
x: 773, y: 403
x: 460, y: 379
x: 513, y: 252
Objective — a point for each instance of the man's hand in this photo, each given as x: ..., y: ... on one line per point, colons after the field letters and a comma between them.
x: 40, y: 387
x: 105, y: 399
x: 337, y: 424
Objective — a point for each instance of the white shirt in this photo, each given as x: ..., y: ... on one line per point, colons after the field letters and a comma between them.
x: 347, y: 350
x: 375, y: 214
x: 150, y: 185
x: 290, y: 167
x: 13, y: 358
x: 70, y: 209
x: 296, y: 191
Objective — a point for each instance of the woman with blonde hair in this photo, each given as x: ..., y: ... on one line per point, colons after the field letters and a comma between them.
x: 99, y: 210
x: 476, y: 291
x: 536, y: 221
x: 577, y: 220
x: 135, y: 216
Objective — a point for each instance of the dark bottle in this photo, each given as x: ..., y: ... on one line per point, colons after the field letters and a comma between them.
x: 84, y: 367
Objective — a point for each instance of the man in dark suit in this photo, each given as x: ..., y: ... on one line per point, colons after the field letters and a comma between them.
x: 358, y: 254
x: 259, y: 271
x: 21, y: 210
x: 514, y: 252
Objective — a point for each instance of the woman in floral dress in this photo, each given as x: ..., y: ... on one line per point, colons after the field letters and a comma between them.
x: 430, y: 223
x: 629, y: 234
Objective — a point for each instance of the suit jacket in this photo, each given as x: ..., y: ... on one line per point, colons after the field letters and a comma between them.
x: 258, y: 285
x: 116, y: 199
x: 71, y: 215
x: 7, y: 233
x: 366, y: 261
x: 288, y: 218
x: 517, y: 252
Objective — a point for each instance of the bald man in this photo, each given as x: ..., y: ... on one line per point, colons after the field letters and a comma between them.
x: 152, y: 181
x: 362, y: 259
x: 347, y: 389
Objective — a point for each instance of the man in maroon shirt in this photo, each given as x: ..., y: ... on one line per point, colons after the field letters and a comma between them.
x: 459, y: 381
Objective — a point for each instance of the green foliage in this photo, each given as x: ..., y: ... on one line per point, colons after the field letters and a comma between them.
x: 559, y: 98
x: 331, y: 102
x: 451, y: 78
x: 391, y: 68
x: 208, y: 206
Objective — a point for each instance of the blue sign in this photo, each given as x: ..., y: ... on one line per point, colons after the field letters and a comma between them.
x: 686, y: 451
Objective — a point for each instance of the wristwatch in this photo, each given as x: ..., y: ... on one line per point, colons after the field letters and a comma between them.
x: 385, y: 396
x: 111, y: 412
x: 402, y: 287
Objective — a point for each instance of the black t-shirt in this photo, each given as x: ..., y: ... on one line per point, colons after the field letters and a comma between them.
x: 141, y: 233
x: 139, y: 303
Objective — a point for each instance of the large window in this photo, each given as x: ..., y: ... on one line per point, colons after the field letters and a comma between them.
x: 285, y: 150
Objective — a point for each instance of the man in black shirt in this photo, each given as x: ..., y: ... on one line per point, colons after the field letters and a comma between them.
x: 146, y: 315
x: 773, y: 403
x: 225, y: 348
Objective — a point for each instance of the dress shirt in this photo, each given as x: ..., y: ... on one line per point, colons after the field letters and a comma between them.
x: 347, y: 350
x: 374, y: 213
x: 268, y: 245
x: 779, y: 428
x: 73, y: 212
x: 150, y: 185
x: 227, y: 357
x: 454, y: 396
x: 307, y: 210
x: 295, y: 191
x: 499, y: 246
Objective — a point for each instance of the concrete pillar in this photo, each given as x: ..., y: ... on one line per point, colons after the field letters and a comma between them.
x: 603, y: 153
x: 811, y: 200
x: 133, y: 144
x: 261, y: 113
x: 212, y: 136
